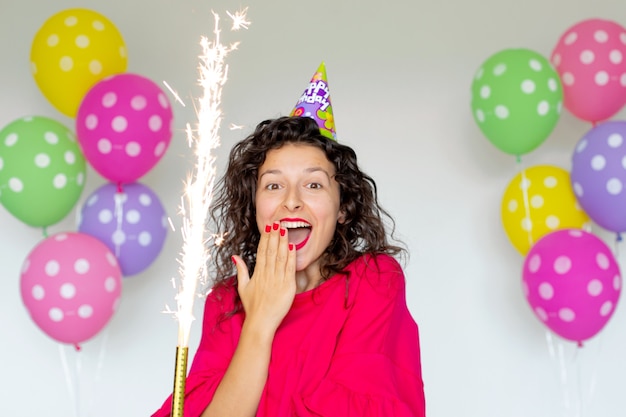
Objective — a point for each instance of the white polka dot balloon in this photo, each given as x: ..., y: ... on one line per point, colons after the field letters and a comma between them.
x: 71, y: 286
x: 74, y: 49
x: 572, y: 282
x: 132, y: 223
x: 516, y: 100
x: 590, y: 58
x: 599, y: 174
x: 42, y: 170
x: 124, y: 127
x: 537, y: 201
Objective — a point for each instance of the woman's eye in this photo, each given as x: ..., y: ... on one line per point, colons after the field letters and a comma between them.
x: 315, y: 185
x: 272, y: 187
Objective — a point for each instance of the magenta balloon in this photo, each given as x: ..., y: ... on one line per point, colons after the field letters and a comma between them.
x: 123, y: 127
x: 71, y: 286
x: 572, y: 282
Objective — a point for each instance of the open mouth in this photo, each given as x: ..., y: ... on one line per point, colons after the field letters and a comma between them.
x: 298, y: 232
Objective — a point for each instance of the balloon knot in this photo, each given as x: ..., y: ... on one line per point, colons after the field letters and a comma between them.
x: 580, y: 343
x: 619, y: 237
x: 77, y: 347
x: 119, y: 187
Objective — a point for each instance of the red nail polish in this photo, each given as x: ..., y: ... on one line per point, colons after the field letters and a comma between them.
x: 291, y: 246
x: 268, y: 228
x: 282, y: 231
x: 234, y: 260
x: 275, y: 226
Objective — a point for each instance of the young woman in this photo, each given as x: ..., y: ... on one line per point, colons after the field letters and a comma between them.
x: 308, y: 315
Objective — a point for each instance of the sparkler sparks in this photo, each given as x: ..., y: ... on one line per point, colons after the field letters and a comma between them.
x: 239, y: 19
x: 198, y: 194
x: 174, y: 93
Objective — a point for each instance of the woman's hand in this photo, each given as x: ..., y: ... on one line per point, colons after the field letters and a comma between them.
x: 268, y: 295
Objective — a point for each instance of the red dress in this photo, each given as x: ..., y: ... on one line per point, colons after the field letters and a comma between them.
x: 348, y: 348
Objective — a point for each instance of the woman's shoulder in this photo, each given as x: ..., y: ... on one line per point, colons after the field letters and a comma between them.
x: 379, y: 272
x: 376, y: 264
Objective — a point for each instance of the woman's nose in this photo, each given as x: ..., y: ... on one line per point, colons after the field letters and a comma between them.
x: 292, y: 200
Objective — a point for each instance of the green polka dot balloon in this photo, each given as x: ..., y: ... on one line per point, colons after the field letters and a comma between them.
x: 517, y: 100
x: 42, y: 170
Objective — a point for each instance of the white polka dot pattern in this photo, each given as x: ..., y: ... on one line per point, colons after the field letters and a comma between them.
x: 42, y: 170
x: 589, y: 58
x: 599, y: 174
x: 70, y: 284
x: 131, y: 223
x: 124, y: 126
x: 71, y: 52
x: 572, y: 283
x: 516, y: 99
x: 537, y: 201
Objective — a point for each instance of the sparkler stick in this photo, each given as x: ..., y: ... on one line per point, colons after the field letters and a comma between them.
x: 198, y: 194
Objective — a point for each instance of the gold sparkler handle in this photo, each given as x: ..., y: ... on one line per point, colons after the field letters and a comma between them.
x: 180, y: 377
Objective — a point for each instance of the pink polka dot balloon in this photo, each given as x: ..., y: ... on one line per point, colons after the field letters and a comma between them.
x: 71, y: 285
x: 572, y: 282
x: 124, y: 127
x: 590, y: 58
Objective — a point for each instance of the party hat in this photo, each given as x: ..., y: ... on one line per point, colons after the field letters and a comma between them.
x: 315, y: 103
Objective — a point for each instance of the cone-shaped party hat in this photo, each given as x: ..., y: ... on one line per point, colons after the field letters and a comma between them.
x: 315, y: 103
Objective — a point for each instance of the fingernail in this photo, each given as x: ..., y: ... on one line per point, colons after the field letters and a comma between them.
x: 275, y: 226
x: 232, y: 258
x: 291, y: 246
x: 268, y: 228
x: 282, y: 231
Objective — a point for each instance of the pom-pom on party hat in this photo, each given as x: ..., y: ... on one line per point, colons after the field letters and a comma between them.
x: 315, y: 103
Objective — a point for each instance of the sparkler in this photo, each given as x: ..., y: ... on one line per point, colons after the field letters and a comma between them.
x: 198, y: 194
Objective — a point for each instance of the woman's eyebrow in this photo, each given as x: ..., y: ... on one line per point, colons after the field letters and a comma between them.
x: 307, y: 170
x: 318, y: 169
x: 270, y: 171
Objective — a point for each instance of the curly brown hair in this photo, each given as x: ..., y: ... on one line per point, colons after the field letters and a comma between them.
x: 233, y: 212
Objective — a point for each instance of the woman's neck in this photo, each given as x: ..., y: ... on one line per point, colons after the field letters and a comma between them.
x: 308, y: 279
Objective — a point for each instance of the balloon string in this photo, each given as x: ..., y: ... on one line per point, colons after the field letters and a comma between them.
x: 579, y: 381
x: 119, y: 217
x: 557, y: 355
x: 71, y: 382
x: 594, y: 370
x: 575, y: 373
x: 524, y: 186
x: 99, y: 367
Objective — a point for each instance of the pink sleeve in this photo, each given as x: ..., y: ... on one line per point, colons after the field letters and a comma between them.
x: 210, y: 361
x: 375, y: 370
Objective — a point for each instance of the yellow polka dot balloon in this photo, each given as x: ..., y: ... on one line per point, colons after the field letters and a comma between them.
x: 538, y: 201
x: 72, y: 51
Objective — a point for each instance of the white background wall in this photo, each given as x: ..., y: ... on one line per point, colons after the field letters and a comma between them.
x: 399, y: 74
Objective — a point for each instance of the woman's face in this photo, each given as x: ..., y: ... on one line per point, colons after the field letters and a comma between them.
x: 296, y: 186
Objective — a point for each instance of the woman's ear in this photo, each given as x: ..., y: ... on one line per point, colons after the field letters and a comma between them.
x: 341, y: 219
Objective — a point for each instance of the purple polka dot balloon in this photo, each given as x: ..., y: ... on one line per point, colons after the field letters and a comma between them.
x: 572, y: 282
x: 132, y: 223
x: 599, y: 175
